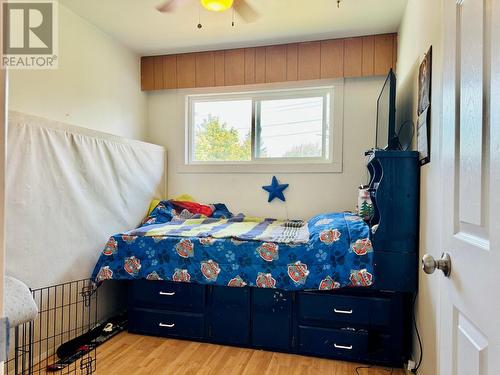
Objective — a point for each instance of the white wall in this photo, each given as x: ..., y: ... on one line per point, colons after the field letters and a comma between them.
x: 308, y: 194
x: 97, y: 84
x: 420, y: 28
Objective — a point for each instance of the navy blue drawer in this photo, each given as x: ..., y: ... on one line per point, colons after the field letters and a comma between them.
x: 166, y: 323
x: 333, y: 342
x: 344, y: 309
x: 230, y: 315
x: 271, y: 319
x: 166, y: 294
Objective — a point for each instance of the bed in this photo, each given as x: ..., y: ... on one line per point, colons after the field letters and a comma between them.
x: 335, y: 287
x: 328, y: 251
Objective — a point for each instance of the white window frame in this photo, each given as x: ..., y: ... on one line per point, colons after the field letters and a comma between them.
x: 333, y: 122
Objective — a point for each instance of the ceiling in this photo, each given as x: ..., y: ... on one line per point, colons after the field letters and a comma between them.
x: 139, y: 26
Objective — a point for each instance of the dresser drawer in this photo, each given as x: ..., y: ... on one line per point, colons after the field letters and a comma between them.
x: 333, y: 342
x: 166, y: 323
x: 344, y: 309
x: 166, y: 294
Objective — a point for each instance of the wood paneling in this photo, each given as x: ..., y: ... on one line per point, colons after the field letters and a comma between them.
x: 249, y: 66
x: 349, y: 57
x: 276, y: 63
x: 219, y: 67
x: 147, y: 73
x: 158, y: 72
x: 395, y: 52
x: 309, y: 60
x: 260, y: 65
x: 367, y: 58
x: 169, y: 72
x: 205, y: 69
x: 291, y: 62
x: 353, y: 53
x: 382, y: 57
x: 234, y: 67
x: 186, y: 70
x: 332, y: 58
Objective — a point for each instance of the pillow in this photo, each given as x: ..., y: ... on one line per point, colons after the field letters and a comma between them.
x: 184, y: 198
x: 152, y: 206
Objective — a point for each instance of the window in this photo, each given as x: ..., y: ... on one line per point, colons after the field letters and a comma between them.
x: 263, y: 129
x: 292, y: 128
x: 221, y: 130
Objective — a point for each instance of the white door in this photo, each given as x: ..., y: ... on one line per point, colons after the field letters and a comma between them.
x: 469, y: 340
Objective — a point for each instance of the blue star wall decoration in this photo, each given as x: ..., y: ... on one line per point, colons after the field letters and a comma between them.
x: 275, y: 190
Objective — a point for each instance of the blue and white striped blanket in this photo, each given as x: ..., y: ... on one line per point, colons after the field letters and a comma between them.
x: 239, y: 227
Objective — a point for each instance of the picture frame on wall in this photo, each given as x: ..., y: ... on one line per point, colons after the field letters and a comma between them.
x: 424, y: 108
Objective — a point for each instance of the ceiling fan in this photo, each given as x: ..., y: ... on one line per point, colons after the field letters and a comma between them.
x: 241, y: 7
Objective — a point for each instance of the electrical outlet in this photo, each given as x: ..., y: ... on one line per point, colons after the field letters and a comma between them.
x: 411, y: 365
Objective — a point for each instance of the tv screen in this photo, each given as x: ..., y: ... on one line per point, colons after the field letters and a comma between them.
x: 386, y: 115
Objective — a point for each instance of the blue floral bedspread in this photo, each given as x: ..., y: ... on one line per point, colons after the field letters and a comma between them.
x: 339, y: 254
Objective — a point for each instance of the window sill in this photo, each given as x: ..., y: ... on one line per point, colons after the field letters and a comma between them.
x: 334, y: 167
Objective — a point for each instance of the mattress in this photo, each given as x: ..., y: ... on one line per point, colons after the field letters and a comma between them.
x: 338, y: 254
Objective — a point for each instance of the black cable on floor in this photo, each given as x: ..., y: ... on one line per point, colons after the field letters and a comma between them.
x: 418, y: 336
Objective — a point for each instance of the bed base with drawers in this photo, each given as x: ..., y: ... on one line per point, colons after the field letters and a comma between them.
x: 366, y: 326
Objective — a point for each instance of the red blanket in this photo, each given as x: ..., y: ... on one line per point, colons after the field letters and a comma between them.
x: 193, y: 207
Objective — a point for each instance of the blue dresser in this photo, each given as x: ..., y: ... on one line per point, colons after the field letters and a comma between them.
x: 395, y: 190
x: 371, y: 325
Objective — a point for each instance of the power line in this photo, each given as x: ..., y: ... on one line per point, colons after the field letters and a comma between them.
x: 289, y: 123
x: 295, y: 106
x: 290, y: 134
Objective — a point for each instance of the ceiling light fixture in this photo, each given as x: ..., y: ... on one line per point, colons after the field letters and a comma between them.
x: 217, y: 5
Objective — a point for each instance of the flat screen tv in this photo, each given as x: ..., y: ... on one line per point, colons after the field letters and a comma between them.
x: 386, y: 137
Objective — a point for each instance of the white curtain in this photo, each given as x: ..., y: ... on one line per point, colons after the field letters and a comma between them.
x: 68, y: 190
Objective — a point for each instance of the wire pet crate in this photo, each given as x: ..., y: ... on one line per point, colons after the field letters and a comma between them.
x: 66, y: 311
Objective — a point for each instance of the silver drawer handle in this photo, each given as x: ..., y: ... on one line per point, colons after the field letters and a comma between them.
x: 167, y: 325
x: 167, y: 293
x: 342, y: 311
x: 343, y: 347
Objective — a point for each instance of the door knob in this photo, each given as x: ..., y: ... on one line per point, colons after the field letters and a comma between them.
x: 429, y: 264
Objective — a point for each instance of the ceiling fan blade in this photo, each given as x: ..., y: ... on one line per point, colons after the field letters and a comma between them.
x: 245, y: 11
x: 168, y: 6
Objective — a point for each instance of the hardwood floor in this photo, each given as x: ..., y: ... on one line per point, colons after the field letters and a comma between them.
x: 135, y: 354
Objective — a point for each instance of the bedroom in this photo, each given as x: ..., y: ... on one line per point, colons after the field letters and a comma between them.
x: 150, y: 140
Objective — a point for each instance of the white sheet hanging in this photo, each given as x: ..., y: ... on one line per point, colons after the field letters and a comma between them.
x: 68, y: 190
